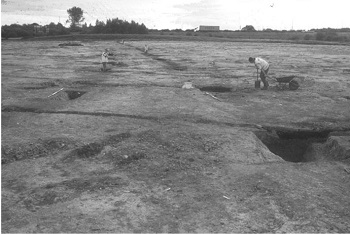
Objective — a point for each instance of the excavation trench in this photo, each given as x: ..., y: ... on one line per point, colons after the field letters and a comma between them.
x: 74, y: 94
x: 215, y: 89
x: 66, y: 95
x: 293, y: 146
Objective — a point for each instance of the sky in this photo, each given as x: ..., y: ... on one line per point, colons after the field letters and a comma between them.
x: 187, y: 14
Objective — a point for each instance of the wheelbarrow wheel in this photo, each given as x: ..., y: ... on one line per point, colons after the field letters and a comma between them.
x: 293, y: 85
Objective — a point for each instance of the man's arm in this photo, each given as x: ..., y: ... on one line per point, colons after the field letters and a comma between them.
x: 259, y: 67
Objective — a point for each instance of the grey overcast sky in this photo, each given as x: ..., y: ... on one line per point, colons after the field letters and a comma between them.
x: 187, y: 14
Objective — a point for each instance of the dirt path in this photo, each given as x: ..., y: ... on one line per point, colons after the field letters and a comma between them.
x: 129, y: 150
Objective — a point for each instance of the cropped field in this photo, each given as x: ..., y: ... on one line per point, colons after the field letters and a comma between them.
x: 130, y: 150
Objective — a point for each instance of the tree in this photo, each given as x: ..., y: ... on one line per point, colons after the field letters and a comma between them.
x: 75, y: 16
x: 268, y: 30
x: 248, y: 28
x: 57, y: 29
x: 119, y: 26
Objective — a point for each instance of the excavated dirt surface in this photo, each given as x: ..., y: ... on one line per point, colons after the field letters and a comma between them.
x: 129, y: 150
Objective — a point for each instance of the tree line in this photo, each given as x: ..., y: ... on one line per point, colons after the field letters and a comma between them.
x: 322, y: 34
x: 111, y: 26
x: 118, y: 26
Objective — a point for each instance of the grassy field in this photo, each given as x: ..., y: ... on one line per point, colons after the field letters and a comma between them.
x: 244, y: 35
x: 222, y: 36
x: 130, y: 150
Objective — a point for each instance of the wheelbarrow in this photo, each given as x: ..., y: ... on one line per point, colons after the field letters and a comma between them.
x: 287, y: 80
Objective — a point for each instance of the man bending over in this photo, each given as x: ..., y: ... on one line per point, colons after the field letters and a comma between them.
x: 263, y: 66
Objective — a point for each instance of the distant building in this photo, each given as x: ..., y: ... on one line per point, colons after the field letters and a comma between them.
x: 209, y: 28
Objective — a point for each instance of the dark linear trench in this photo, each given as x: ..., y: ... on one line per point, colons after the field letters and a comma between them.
x: 90, y: 83
x: 104, y: 114
x: 292, y: 145
x: 170, y: 64
x: 282, y: 133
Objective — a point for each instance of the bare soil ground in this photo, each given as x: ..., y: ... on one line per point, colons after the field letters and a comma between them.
x: 129, y: 150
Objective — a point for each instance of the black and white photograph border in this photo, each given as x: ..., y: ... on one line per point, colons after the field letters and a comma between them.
x: 182, y: 116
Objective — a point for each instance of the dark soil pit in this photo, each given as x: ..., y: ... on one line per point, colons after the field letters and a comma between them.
x: 66, y: 95
x: 84, y: 152
x: 292, y: 146
x: 179, y: 68
x: 74, y: 94
x: 170, y: 64
x: 70, y: 44
x: 215, y: 89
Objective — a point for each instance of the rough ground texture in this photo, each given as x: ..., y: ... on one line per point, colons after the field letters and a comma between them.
x: 129, y: 150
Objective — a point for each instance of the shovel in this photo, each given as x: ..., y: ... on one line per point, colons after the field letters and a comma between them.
x: 257, y: 82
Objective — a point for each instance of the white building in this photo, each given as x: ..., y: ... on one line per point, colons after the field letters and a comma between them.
x: 209, y: 28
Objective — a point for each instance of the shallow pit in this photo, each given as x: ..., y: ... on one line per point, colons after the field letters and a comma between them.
x: 215, y: 89
x: 74, y: 94
x: 293, y: 146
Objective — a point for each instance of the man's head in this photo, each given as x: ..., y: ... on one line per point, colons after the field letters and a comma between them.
x: 107, y: 50
x: 251, y: 60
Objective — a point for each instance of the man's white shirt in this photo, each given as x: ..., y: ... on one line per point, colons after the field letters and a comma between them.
x: 104, y: 57
x: 261, y: 64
